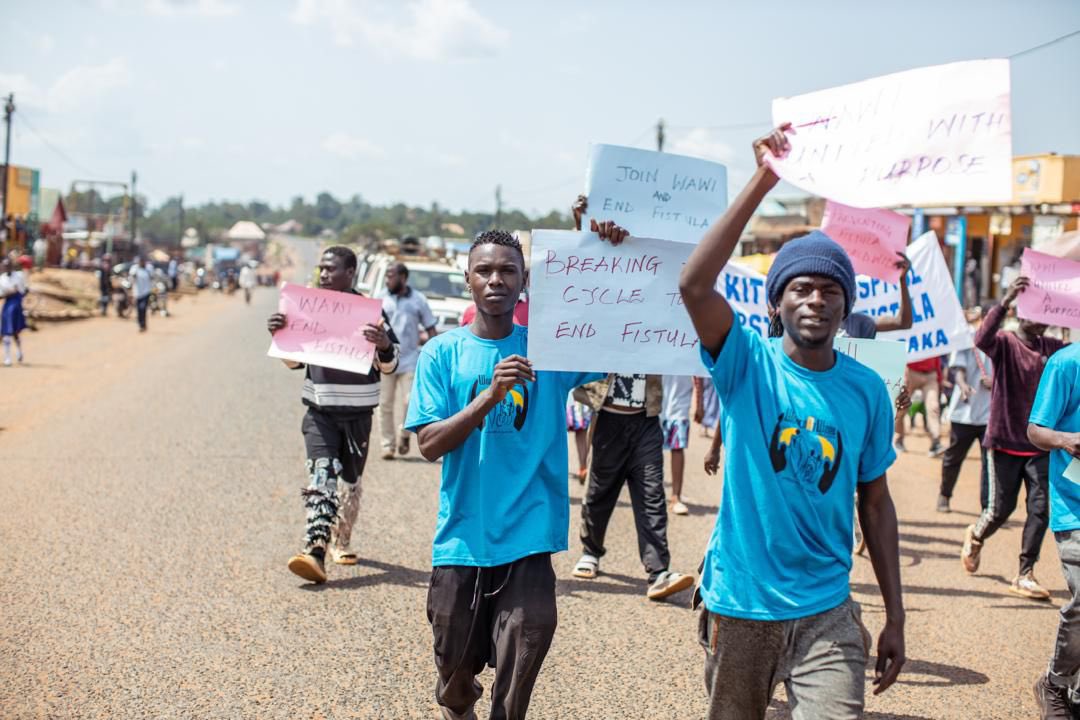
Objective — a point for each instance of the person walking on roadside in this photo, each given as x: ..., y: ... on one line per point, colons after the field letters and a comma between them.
x: 336, y: 431
x: 12, y: 319
x: 806, y: 430
x: 142, y: 281
x: 504, y: 504
x: 969, y: 411
x: 1013, y: 461
x: 675, y: 424
x: 248, y: 280
x: 174, y: 274
x: 1054, y: 426
x: 627, y: 449
x: 924, y: 375
x: 408, y: 311
x: 105, y: 288
x: 578, y: 419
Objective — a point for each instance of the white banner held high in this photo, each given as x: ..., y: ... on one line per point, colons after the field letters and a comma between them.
x: 939, y: 325
x: 654, y: 194
x: 938, y: 135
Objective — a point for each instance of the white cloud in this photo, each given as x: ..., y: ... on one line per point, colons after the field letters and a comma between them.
x: 431, y: 30
x: 76, y: 88
x: 698, y: 142
x: 86, y: 84
x: 198, y: 8
x: 349, y: 146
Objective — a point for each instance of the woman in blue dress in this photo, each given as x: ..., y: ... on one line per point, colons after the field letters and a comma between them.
x: 12, y: 319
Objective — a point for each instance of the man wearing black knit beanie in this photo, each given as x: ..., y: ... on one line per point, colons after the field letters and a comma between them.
x: 807, y: 430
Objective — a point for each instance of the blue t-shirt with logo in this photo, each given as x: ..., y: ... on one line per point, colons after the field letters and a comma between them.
x: 504, y: 493
x: 1057, y: 406
x: 796, y: 442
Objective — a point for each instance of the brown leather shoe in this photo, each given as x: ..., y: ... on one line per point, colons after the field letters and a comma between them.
x: 308, y: 567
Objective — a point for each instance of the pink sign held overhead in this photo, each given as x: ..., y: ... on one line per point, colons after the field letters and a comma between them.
x: 1053, y: 297
x: 872, y: 237
x: 325, y: 328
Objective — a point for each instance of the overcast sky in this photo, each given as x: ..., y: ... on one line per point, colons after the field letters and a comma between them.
x: 440, y: 100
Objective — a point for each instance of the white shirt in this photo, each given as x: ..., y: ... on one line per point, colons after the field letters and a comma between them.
x: 19, y: 280
x: 141, y: 277
x: 678, y: 394
x: 975, y: 410
x: 247, y: 277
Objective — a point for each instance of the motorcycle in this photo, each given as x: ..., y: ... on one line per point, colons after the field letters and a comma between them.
x: 122, y: 298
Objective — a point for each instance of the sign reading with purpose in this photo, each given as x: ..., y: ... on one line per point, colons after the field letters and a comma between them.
x: 933, y: 135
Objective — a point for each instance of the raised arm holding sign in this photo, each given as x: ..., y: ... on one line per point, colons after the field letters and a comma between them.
x: 800, y: 420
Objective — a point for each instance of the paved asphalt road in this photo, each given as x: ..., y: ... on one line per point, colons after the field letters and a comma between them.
x: 150, y: 489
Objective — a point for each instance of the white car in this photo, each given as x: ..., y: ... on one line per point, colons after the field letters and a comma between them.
x: 441, y: 283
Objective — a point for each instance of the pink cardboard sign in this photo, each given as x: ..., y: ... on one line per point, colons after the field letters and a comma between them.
x: 325, y: 328
x: 1053, y: 297
x: 871, y: 236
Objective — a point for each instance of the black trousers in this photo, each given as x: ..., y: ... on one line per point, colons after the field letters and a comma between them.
x: 140, y: 308
x: 961, y: 436
x: 501, y: 616
x: 628, y: 449
x: 1008, y: 473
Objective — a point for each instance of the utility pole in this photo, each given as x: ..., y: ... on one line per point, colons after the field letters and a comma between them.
x: 180, y: 242
x: 660, y: 135
x: 9, y: 108
x: 134, y: 209
x: 498, y: 206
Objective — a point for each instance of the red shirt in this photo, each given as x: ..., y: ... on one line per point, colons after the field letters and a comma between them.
x: 521, y: 314
x: 929, y: 365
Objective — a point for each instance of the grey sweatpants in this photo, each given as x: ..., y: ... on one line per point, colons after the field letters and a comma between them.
x: 821, y: 659
x: 1065, y: 665
x: 501, y: 616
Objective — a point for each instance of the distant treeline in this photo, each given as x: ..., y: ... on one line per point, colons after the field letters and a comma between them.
x: 354, y: 219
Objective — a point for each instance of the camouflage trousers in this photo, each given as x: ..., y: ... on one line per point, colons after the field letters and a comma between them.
x: 337, y: 452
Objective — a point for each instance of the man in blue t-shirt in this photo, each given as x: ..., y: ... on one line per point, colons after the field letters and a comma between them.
x: 504, y: 506
x: 806, y: 430
x: 1054, y: 425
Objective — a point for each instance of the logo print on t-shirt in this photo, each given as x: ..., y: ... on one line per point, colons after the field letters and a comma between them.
x: 807, y: 451
x: 510, y: 413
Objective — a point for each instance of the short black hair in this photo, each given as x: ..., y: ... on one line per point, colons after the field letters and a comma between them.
x: 400, y: 268
x: 498, y: 237
x: 348, y: 257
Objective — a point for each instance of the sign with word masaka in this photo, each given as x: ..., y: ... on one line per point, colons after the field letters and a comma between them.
x: 325, y: 328
x: 653, y: 194
x: 1053, y: 297
x: 887, y: 358
x: 871, y: 237
x: 939, y: 326
x: 934, y: 135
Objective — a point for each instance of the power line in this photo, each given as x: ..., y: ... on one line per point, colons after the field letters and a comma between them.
x: 21, y: 116
x: 1048, y: 43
